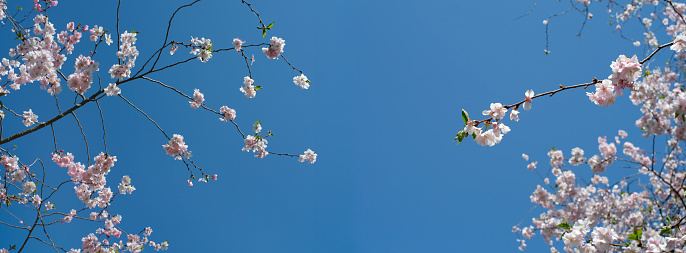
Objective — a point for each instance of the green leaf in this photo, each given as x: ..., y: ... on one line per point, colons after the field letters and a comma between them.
x: 257, y: 122
x: 473, y: 136
x: 258, y: 88
x: 665, y: 230
x: 270, y: 25
x: 667, y: 221
x: 264, y: 32
x: 308, y: 81
x: 639, y: 233
x: 564, y: 225
x: 19, y: 7
x: 465, y: 116
x: 13, y: 247
x: 632, y: 237
x: 460, y: 136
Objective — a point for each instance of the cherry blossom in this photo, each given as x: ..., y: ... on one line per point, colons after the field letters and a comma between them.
x: 302, y: 81
x: 528, y: 95
x: 497, y: 111
x: 198, y: 99
x: 29, y: 118
x: 257, y: 127
x: 249, y: 89
x: 275, y: 49
x: 309, y: 156
x: 176, y: 147
x: 237, y: 43
x: 112, y: 90
x: 229, y: 114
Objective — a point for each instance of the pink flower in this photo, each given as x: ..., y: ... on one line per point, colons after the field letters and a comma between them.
x: 189, y: 182
x: 625, y: 71
x: 229, y: 114
x: 679, y: 43
x: 198, y: 99
x: 528, y: 95
x: 249, y: 88
x: 604, y: 94
x: 497, y: 111
x: 29, y: 118
x: 309, y: 155
x: 532, y: 165
x: 514, y: 115
x: 471, y: 129
x: 275, y: 48
x: 256, y: 145
x: 237, y: 43
x: 302, y: 81
x: 214, y: 177
x: 486, y: 138
x: 112, y: 90
x: 176, y: 147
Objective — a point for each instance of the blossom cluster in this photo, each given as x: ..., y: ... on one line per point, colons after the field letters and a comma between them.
x: 198, y: 99
x: 617, y: 219
x: 82, y: 78
x: 228, y: 113
x: 257, y: 145
x: 308, y: 156
x: 275, y: 49
x: 127, y: 53
x: 176, y: 147
x: 249, y: 89
x: 202, y: 48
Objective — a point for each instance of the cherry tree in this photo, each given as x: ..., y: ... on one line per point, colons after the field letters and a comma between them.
x: 42, y: 58
x: 644, y: 211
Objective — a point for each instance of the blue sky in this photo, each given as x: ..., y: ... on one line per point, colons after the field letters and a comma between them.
x: 389, y: 79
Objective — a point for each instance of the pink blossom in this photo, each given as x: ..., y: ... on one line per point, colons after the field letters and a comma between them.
x: 309, y: 155
x: 237, y: 43
x: 29, y: 118
x: 112, y: 90
x: 275, y: 49
x: 176, y: 147
x: 514, y: 115
x: 198, y: 99
x: 532, y: 165
x: 258, y: 145
x: 173, y: 49
x: 249, y: 88
x: 302, y: 81
x: 679, y: 43
x: 528, y: 95
x: 229, y: 114
x: 604, y: 95
x: 625, y: 71
x: 497, y: 111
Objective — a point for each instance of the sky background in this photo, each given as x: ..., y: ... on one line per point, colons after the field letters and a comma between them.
x: 389, y: 79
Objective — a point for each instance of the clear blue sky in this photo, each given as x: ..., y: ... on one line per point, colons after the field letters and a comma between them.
x: 389, y: 79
